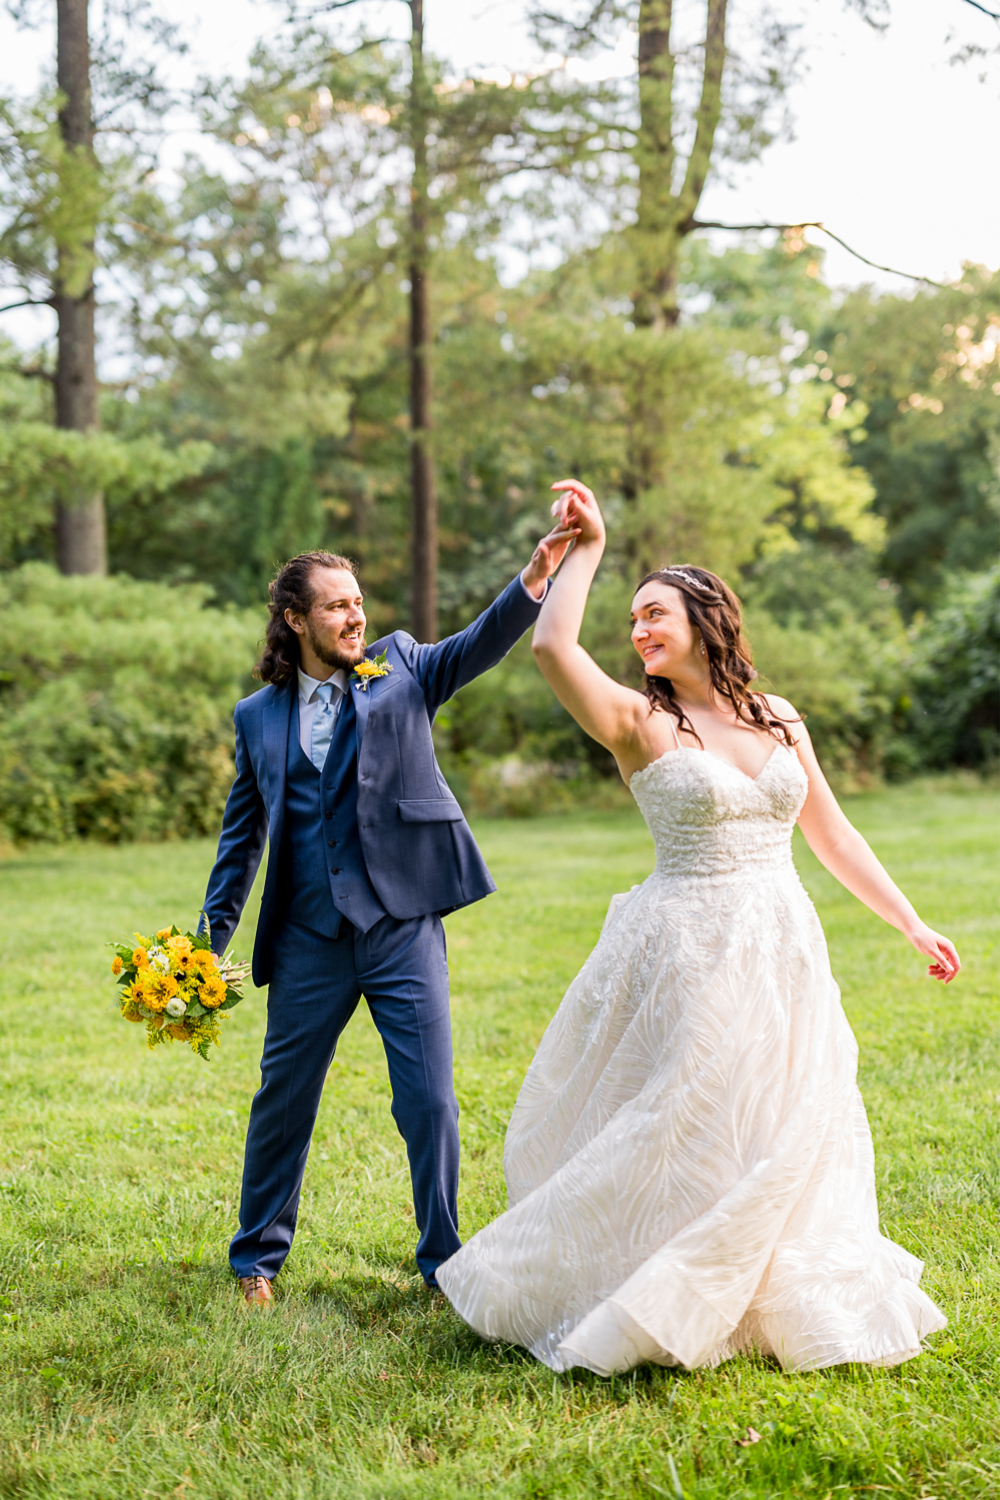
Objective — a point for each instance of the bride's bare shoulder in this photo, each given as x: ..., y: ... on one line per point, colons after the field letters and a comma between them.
x: 787, y: 713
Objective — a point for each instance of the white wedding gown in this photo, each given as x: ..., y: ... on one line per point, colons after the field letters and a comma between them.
x: 689, y: 1164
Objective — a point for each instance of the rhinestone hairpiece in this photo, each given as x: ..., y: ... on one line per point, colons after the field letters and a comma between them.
x: 689, y: 578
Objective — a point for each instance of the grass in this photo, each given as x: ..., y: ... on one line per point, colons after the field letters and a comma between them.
x: 130, y: 1369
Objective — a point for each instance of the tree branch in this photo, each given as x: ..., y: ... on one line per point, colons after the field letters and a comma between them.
x: 942, y: 286
x: 27, y: 302
x: 994, y: 15
x: 709, y: 107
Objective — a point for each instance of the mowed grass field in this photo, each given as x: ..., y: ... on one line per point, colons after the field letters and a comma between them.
x: 130, y: 1368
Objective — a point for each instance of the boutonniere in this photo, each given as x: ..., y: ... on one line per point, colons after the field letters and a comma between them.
x: 369, y: 668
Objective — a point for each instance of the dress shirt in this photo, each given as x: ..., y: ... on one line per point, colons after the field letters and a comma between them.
x: 309, y: 703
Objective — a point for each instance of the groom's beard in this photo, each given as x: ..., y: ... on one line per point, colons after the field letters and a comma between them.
x: 346, y: 656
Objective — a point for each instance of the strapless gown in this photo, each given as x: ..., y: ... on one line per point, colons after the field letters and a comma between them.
x: 689, y: 1164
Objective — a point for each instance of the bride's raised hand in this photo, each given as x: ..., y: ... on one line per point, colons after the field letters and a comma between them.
x: 547, y: 556
x: 577, y: 507
x: 945, y: 962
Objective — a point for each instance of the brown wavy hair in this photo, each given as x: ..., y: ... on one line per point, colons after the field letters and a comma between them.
x: 291, y: 588
x: 713, y: 607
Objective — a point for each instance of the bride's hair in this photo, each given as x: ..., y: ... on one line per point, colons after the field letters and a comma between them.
x: 713, y: 607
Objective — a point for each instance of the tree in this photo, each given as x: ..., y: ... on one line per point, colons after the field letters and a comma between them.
x: 81, y: 545
x: 927, y: 368
x: 58, y: 196
x: 693, y: 108
x: 441, y: 147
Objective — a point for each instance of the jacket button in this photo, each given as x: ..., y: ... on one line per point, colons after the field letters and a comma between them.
x: 335, y: 870
x: 332, y: 843
x: 328, y: 813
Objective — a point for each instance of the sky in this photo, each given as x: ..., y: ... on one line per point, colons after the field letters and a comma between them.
x: 895, y: 149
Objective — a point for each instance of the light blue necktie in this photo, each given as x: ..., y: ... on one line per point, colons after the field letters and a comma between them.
x: 323, y: 723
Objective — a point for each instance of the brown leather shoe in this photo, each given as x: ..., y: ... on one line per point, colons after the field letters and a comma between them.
x: 257, y: 1291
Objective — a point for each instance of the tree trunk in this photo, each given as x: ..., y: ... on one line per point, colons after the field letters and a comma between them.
x: 666, y: 213
x: 80, y: 529
x: 424, y: 498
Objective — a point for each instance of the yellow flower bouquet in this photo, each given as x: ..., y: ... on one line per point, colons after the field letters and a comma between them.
x: 175, y: 983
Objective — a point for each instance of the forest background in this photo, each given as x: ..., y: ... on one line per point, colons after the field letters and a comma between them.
x: 310, y: 336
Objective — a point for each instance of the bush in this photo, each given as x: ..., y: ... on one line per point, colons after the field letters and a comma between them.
x: 115, y: 705
x: 956, y: 675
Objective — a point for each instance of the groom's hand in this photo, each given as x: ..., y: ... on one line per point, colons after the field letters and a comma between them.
x: 546, y: 558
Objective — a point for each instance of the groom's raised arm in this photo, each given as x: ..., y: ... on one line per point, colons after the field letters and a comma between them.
x: 443, y: 668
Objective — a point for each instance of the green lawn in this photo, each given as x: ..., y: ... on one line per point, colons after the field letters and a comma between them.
x: 130, y: 1368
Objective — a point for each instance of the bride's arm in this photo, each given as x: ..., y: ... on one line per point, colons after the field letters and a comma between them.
x: 840, y: 847
x: 608, y: 712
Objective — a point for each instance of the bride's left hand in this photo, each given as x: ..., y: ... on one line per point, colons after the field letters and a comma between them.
x: 945, y: 960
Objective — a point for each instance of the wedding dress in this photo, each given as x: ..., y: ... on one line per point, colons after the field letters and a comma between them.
x: 689, y: 1165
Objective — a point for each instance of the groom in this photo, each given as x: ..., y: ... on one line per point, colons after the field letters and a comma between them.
x: 368, y: 850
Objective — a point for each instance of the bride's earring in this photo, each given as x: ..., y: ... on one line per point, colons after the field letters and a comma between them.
x: 701, y: 645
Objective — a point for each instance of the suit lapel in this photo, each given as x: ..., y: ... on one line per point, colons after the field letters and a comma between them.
x: 276, y: 716
x: 361, y: 699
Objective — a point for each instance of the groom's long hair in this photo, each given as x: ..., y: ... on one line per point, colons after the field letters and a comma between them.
x: 291, y: 588
x: 713, y: 607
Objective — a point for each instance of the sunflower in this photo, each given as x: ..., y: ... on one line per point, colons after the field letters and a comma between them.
x: 158, y: 990
x: 212, y: 992
x: 182, y: 963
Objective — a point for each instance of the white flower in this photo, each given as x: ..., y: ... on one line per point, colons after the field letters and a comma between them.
x: 176, y: 1008
x: 159, y: 961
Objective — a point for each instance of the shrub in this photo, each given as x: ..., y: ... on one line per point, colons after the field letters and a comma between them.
x: 956, y: 674
x: 115, y: 706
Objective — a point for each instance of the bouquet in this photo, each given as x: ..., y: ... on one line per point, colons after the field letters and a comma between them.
x: 175, y: 983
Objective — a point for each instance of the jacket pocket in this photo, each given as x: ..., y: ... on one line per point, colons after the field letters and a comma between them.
x: 430, y: 810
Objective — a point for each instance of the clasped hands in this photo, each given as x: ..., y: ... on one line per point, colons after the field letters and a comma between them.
x: 578, y: 519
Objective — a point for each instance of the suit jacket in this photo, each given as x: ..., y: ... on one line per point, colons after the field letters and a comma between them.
x: 419, y: 850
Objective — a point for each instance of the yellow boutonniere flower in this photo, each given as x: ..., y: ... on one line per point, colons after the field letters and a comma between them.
x: 376, y: 666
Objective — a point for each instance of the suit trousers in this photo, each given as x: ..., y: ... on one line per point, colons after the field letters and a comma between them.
x: 401, y: 968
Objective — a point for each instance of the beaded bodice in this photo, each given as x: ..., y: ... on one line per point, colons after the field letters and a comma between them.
x: 708, y: 818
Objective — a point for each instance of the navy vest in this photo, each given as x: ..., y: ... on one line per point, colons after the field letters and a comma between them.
x: 327, y: 878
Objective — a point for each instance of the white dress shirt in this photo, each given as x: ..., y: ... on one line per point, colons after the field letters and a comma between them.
x: 309, y: 703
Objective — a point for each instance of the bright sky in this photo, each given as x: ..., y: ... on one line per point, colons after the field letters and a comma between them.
x: 896, y: 150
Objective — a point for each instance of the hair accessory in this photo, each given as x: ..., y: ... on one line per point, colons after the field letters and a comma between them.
x: 689, y: 579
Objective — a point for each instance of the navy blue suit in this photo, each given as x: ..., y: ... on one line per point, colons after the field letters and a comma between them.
x: 364, y: 860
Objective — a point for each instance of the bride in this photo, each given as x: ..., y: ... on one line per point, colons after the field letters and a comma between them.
x: 689, y: 1164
